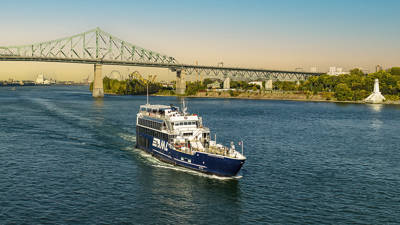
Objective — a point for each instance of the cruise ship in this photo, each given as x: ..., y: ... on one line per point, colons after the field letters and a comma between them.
x: 177, y: 137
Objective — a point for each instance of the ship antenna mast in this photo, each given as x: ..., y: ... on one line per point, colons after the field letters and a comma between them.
x: 147, y: 94
x: 184, y: 108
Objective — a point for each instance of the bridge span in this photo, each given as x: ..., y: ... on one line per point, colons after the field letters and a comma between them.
x: 101, y: 48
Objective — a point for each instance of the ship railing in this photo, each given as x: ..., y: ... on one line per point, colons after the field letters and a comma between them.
x: 211, y: 150
x: 218, y: 151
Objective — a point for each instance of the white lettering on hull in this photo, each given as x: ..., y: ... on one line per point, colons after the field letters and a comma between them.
x: 161, y: 144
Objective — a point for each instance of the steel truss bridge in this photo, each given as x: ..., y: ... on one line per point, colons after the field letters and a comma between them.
x: 101, y: 48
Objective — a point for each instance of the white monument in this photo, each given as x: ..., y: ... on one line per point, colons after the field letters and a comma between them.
x: 376, y: 96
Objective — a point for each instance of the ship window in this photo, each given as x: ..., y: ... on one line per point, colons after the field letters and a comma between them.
x: 185, y: 123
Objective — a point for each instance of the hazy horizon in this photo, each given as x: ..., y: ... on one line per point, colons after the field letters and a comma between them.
x: 282, y: 35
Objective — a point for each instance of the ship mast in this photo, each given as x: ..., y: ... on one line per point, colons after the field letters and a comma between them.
x: 147, y: 95
x: 184, y: 108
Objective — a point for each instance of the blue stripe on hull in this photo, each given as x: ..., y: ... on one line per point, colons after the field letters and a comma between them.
x: 211, y: 164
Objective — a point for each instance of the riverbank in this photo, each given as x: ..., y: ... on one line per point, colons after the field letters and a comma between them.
x: 287, y: 96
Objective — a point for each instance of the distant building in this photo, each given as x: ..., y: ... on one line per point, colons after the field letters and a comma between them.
x: 299, y: 69
x: 335, y: 71
x: 40, y: 79
x: 28, y: 82
x: 259, y: 83
x: 313, y: 69
x: 167, y: 84
x: 214, y: 85
x: 365, y: 71
x: 378, y: 68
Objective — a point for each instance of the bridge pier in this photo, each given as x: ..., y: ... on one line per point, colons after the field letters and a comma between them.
x: 98, y: 91
x: 180, y: 82
x: 268, y: 85
x: 227, y: 83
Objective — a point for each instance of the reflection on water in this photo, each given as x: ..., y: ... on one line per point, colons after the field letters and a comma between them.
x: 343, y: 104
x: 376, y: 124
x: 98, y: 103
x: 375, y: 107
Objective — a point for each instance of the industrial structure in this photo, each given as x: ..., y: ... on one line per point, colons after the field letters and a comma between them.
x: 101, y: 48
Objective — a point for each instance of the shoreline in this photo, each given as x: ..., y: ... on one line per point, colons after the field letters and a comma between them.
x: 298, y: 98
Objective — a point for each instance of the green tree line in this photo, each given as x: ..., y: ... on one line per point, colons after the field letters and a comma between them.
x: 128, y: 87
x: 193, y: 87
x: 348, y: 87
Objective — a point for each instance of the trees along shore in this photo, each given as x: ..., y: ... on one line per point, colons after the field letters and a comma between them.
x: 128, y: 87
x: 355, y: 86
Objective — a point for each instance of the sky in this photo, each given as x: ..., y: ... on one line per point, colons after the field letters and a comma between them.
x: 269, y: 34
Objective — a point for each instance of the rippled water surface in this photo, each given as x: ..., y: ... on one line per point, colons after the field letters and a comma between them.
x: 67, y: 158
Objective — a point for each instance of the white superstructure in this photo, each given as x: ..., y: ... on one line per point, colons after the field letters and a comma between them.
x: 185, y: 131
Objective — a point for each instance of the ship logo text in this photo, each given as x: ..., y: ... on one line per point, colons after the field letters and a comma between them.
x: 161, y: 144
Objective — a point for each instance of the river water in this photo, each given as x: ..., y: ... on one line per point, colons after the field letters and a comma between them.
x: 67, y: 158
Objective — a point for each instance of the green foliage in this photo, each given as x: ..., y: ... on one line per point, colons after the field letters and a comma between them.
x: 359, y: 95
x: 327, y: 95
x: 207, y: 81
x: 128, y: 87
x: 395, y: 70
x: 285, y: 85
x: 193, y: 87
x: 166, y: 92
x: 356, y: 72
x: 233, y: 93
x: 392, y: 97
x: 343, y: 93
x: 355, y: 86
x: 243, y: 85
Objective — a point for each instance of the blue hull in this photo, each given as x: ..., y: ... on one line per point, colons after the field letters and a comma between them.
x: 202, y: 162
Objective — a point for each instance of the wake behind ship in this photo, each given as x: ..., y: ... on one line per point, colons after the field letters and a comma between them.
x: 180, y: 138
